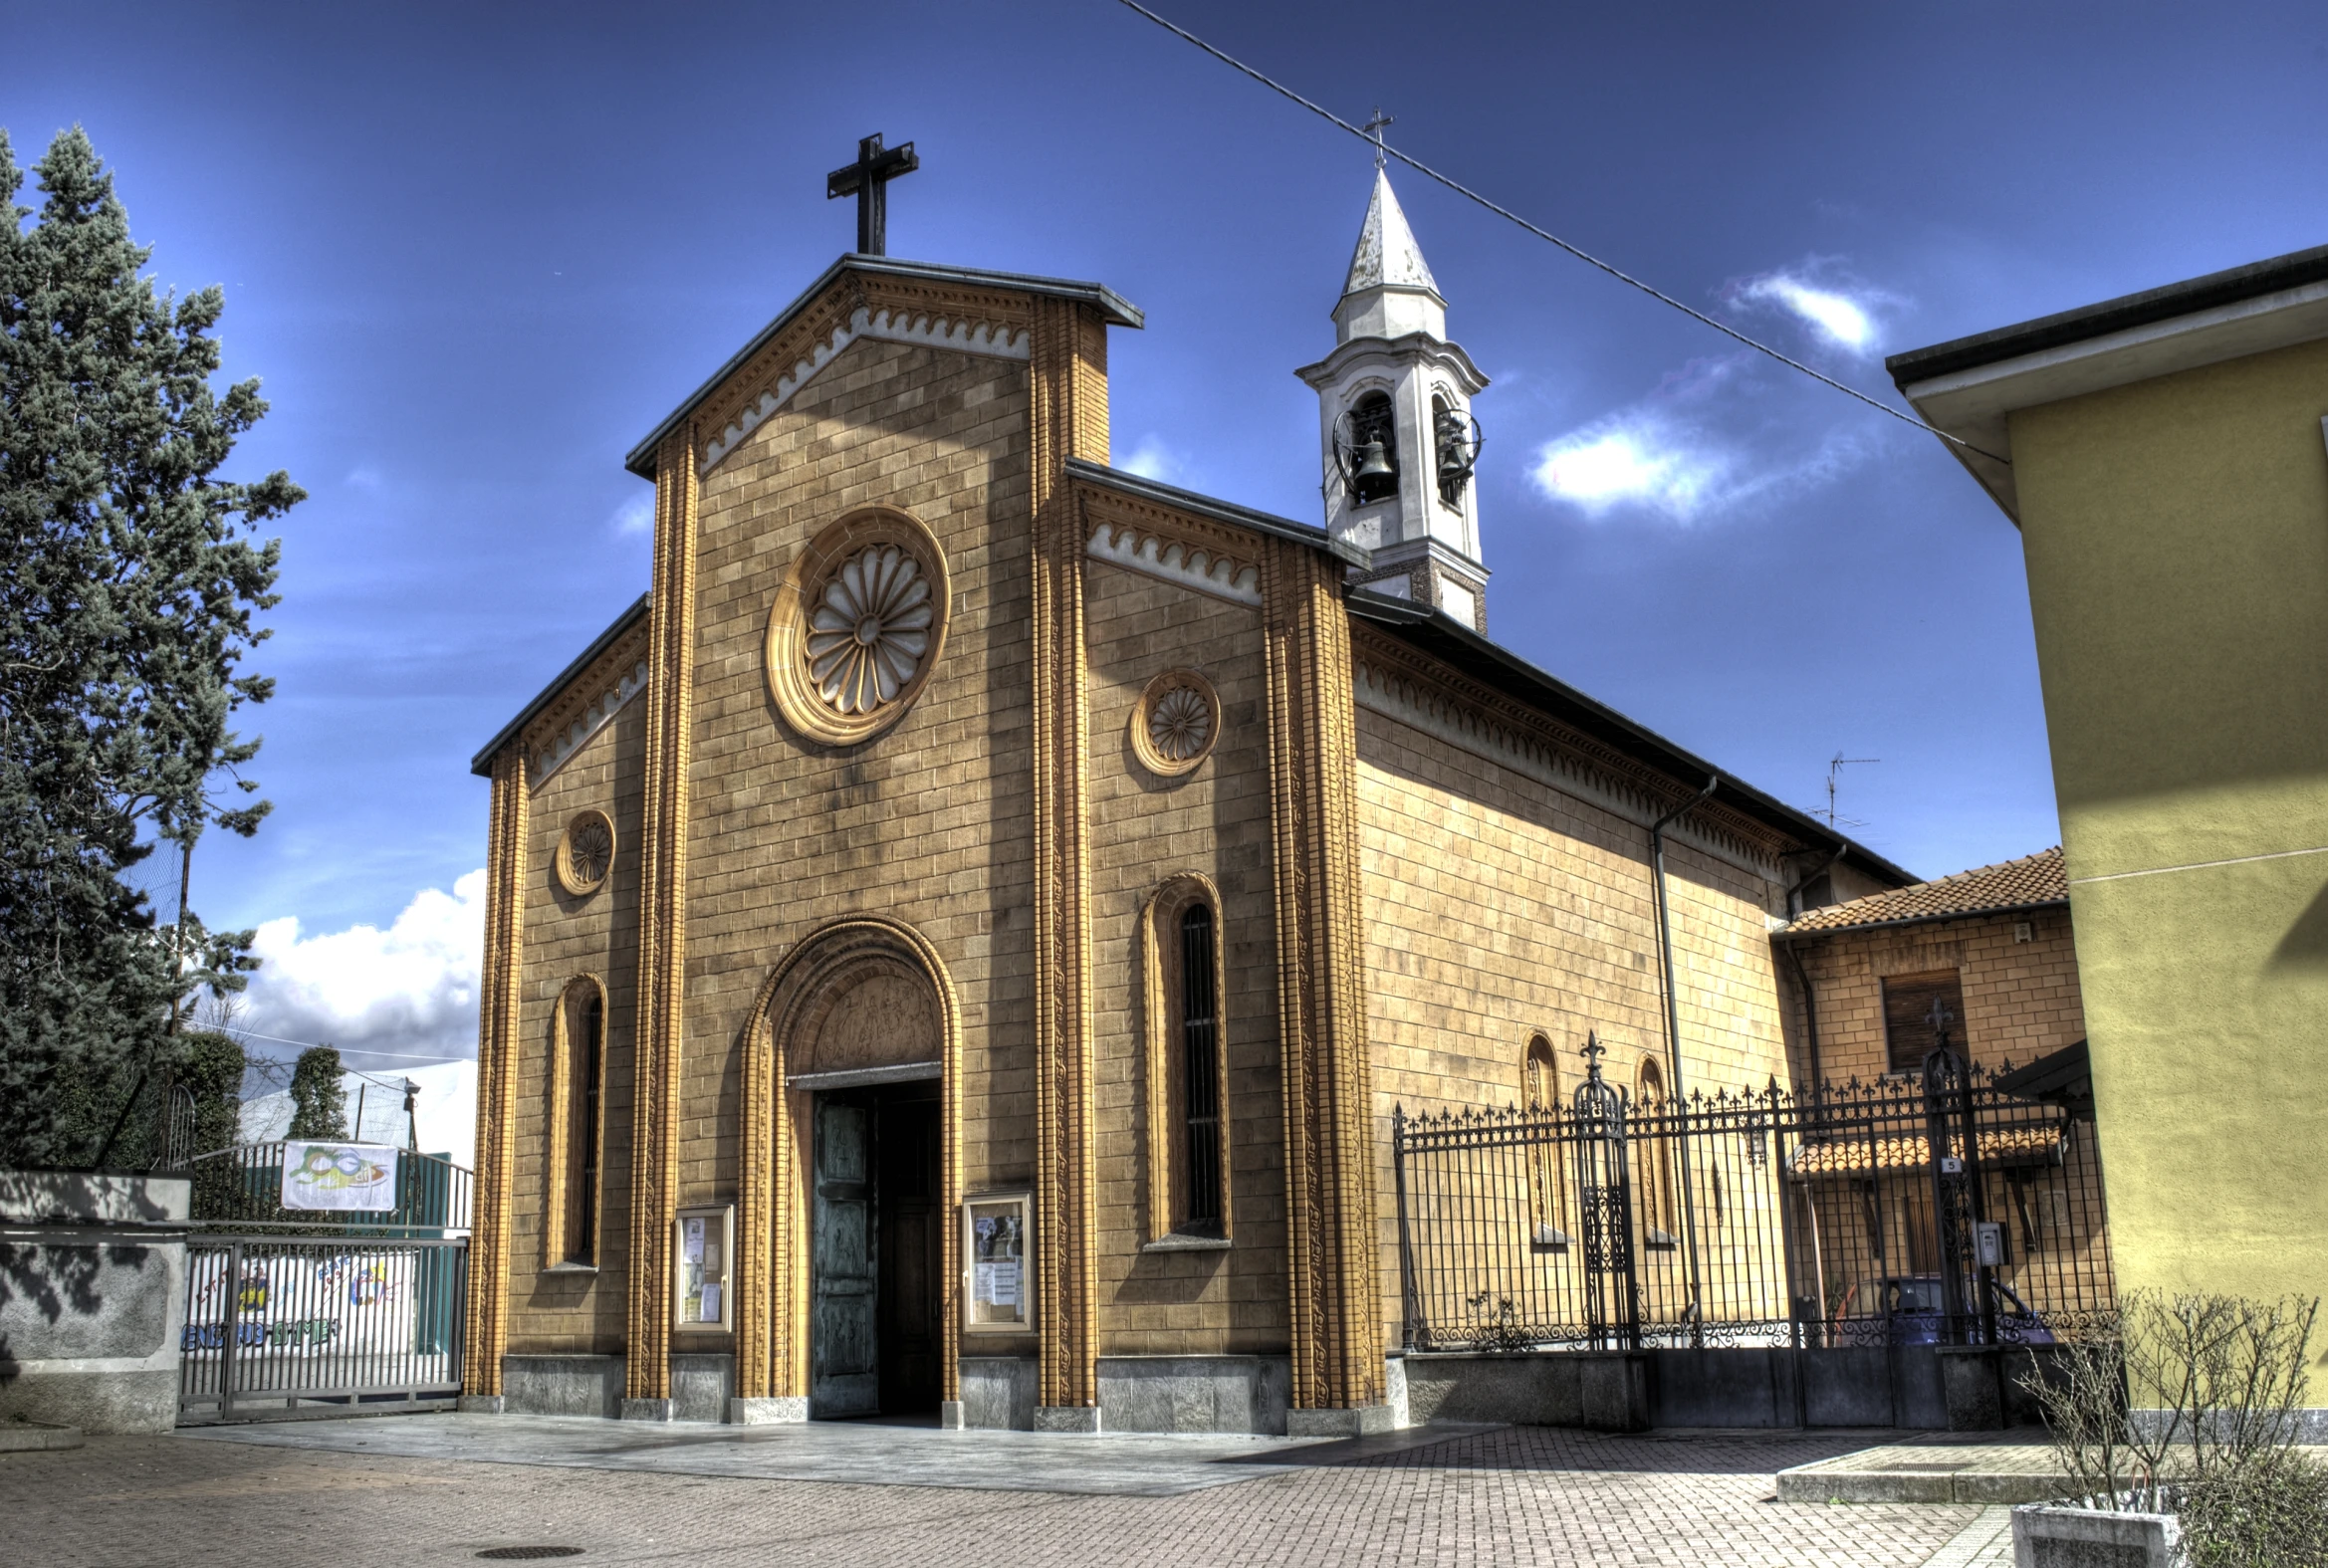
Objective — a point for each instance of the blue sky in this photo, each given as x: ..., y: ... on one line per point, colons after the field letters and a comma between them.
x: 476, y: 252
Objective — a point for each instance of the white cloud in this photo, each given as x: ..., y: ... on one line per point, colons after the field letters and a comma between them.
x: 1710, y: 441
x: 635, y: 515
x: 412, y: 988
x: 1152, y: 459
x: 1840, y: 313
x: 1632, y: 458
x: 364, y: 477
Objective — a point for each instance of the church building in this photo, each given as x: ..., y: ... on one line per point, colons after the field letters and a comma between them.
x: 955, y: 943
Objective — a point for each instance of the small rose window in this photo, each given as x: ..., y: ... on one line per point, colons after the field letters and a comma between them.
x: 1175, y: 722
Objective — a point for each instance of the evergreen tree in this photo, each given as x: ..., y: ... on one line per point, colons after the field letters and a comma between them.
x: 126, y: 611
x: 318, y: 1099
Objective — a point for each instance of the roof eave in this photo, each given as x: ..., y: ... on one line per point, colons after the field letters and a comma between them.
x: 1791, y: 934
x: 482, y: 764
x: 1117, y: 311
x: 1155, y: 491
x: 1968, y: 388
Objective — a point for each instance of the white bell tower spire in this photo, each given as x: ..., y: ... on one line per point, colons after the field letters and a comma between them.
x: 1396, y: 432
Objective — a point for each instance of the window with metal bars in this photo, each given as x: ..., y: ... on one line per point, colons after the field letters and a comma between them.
x: 1199, y: 1076
x: 581, y: 1237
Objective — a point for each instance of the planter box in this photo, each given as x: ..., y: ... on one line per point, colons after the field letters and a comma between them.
x: 2050, y: 1535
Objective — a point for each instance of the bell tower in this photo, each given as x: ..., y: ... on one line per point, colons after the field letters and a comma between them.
x: 1397, y: 439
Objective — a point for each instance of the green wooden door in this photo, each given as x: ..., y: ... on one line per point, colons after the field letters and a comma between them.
x: 844, y: 1359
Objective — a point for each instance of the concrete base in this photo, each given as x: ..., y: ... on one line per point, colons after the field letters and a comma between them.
x: 646, y: 1409
x: 482, y: 1404
x: 999, y: 1391
x: 562, y: 1385
x: 782, y: 1410
x: 1972, y: 1386
x: 2046, y: 1536
x: 950, y: 1415
x: 701, y: 1386
x: 1603, y: 1390
x: 1362, y: 1421
x: 29, y: 1436
x: 1066, y: 1418
x: 1195, y: 1393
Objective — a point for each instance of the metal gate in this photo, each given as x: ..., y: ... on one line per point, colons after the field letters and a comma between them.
x: 294, y: 1314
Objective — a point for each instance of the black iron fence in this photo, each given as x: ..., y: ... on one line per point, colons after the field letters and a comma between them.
x: 1932, y: 1209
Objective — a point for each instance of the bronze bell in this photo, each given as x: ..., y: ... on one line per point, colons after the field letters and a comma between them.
x: 1374, y: 465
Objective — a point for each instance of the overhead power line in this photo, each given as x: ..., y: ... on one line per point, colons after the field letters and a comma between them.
x: 1375, y: 141
x: 345, y: 1050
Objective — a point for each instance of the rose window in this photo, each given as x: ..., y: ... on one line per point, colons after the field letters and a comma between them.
x: 1175, y: 722
x: 1180, y: 723
x: 870, y: 629
x: 591, y: 852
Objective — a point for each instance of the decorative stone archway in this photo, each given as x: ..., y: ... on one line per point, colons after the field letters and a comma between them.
x: 852, y: 996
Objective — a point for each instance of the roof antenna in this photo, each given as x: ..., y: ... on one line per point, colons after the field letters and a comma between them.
x: 1835, y: 766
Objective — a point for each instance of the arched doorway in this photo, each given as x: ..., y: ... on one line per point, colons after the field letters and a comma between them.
x: 851, y: 1083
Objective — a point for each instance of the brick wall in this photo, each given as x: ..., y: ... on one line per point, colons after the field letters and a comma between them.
x: 2021, y: 997
x: 564, y: 938
x: 1498, y: 907
x: 1213, y: 821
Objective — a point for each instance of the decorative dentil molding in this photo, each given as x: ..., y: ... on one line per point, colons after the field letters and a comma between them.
x: 1396, y: 695
x: 1192, y: 567
x: 550, y: 753
x: 926, y: 328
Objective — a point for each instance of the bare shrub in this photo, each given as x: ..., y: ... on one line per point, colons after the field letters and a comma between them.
x: 2192, y: 1389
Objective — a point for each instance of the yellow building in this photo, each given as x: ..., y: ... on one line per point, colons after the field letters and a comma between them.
x: 958, y: 941
x: 2162, y: 456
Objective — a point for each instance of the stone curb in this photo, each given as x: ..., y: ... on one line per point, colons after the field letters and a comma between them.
x: 1814, y: 1483
x: 29, y: 1436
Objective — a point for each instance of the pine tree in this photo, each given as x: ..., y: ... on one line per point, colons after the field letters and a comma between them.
x: 318, y: 1099
x: 125, y: 613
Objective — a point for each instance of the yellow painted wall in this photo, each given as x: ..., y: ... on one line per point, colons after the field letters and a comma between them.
x: 2175, y: 532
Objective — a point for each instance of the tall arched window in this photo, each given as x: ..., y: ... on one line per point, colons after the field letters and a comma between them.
x: 1200, y: 1075
x: 1547, y: 1172
x: 1653, y: 1161
x: 1187, y: 1076
x: 577, y: 1080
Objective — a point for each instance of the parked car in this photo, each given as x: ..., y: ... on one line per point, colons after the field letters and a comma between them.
x: 1912, y: 1310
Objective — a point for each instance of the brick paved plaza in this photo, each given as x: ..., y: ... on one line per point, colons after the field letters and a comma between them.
x: 1491, y: 1497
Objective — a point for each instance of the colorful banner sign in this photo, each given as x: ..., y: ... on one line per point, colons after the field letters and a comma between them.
x: 349, y: 1178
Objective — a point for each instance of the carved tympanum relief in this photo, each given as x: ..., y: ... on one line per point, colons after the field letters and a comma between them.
x: 1175, y: 722
x: 858, y: 623
x: 585, y: 853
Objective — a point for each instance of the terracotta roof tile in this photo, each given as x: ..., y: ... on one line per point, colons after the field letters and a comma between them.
x: 2013, y: 884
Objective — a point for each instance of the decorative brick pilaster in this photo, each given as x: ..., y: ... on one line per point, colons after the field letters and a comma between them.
x: 1329, y: 1172
x: 662, y: 923
x: 499, y: 996
x: 1067, y: 418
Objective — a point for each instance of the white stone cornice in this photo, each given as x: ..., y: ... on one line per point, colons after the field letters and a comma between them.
x: 558, y: 747
x: 1207, y: 572
x: 1443, y: 718
x: 924, y: 327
